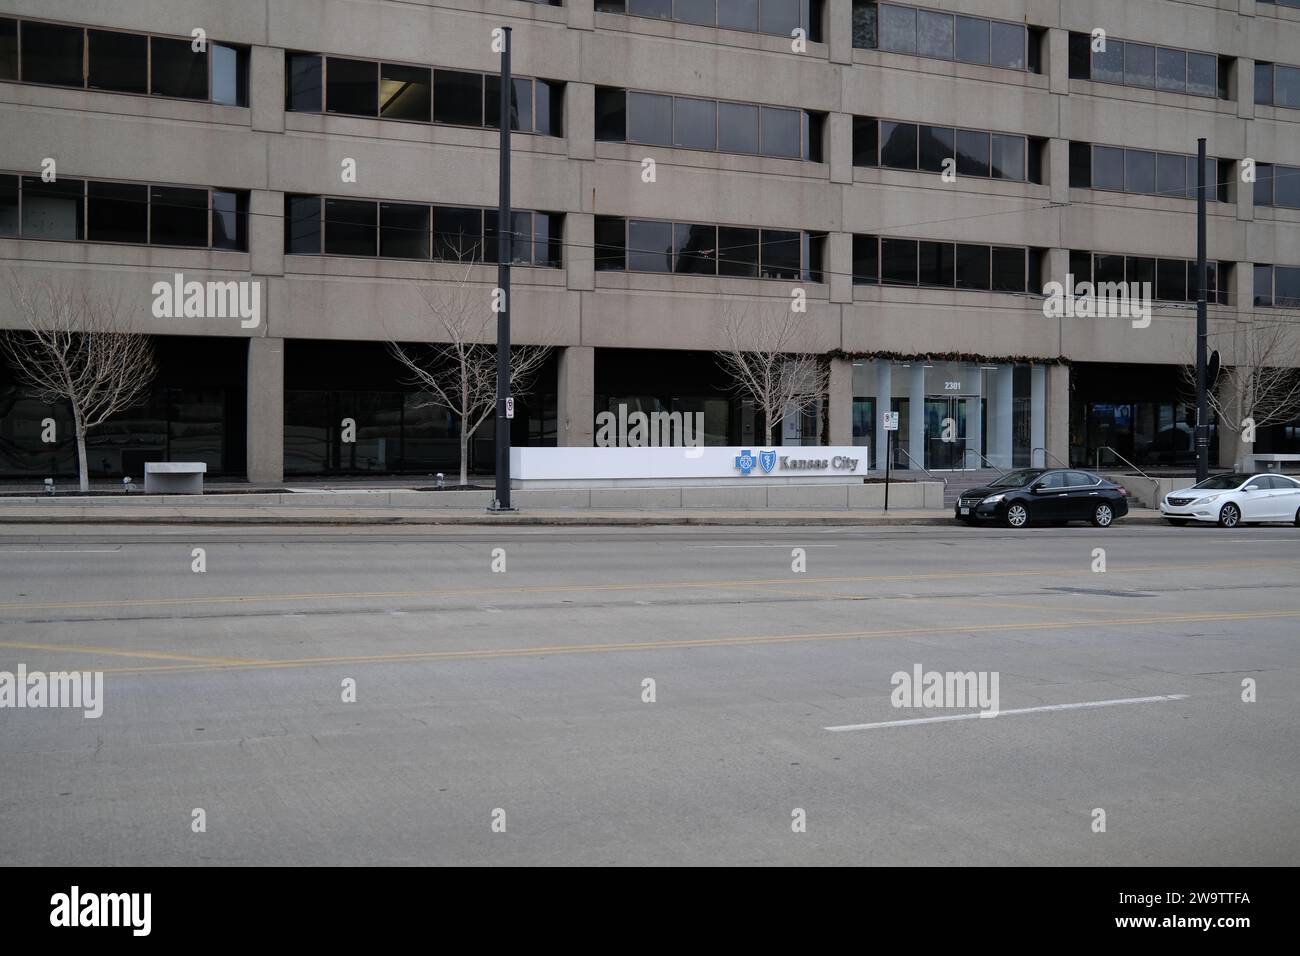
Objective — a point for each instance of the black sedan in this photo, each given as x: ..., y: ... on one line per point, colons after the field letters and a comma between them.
x: 1049, y: 496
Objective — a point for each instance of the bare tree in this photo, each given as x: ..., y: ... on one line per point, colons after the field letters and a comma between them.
x: 459, y: 366
x: 80, y: 348
x: 1262, y: 387
x: 762, y: 357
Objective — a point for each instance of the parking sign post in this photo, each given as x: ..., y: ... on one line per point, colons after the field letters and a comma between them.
x: 891, y: 427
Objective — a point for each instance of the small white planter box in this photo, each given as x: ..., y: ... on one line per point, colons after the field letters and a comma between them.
x: 174, y: 477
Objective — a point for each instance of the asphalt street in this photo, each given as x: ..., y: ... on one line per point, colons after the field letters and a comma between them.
x: 517, y: 697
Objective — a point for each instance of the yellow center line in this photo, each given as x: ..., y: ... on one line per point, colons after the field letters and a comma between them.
x: 628, y: 586
x: 489, y: 653
x: 157, y: 655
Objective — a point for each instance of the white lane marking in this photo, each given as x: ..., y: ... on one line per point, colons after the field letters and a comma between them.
x: 1009, y: 713
x: 719, y: 547
x: 74, y: 551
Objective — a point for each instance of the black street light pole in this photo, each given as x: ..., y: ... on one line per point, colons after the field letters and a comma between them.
x: 1202, y: 330
x: 504, y: 253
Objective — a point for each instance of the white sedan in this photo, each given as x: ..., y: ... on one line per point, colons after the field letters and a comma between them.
x: 1233, y: 499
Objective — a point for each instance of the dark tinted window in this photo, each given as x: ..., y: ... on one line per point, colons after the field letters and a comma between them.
x: 177, y: 70
x: 1108, y: 269
x: 780, y: 254
x: 934, y: 34
x: 1140, y: 269
x: 1107, y: 168
x: 897, y: 29
x: 8, y: 49
x: 178, y: 217
x: 1139, y: 171
x: 230, y: 220
x: 649, y: 246
x: 1286, y: 287
x: 737, y: 128
x: 651, y: 8
x: 1264, y: 285
x: 898, y: 261
x: 694, y: 11
x: 898, y: 145
x: 866, y: 260
x: 548, y: 108
x: 1171, y: 175
x: 611, y: 114
x: 403, y: 231
x: 302, y: 234
x: 405, y: 92
x: 8, y: 203
x: 737, y: 251
x: 1080, y: 165
x: 458, y: 235
x: 1286, y: 86
x: 352, y: 86
x: 695, y: 123
x: 866, y: 16
x: 302, y: 83
x: 117, y: 213
x: 119, y: 62
x: 1008, y: 45
x: 1080, y: 267
x: 1171, y: 70
x: 972, y: 153
x: 935, y: 144
x: 972, y: 40
x: 458, y: 98
x: 1202, y: 74
x: 521, y: 103
x: 865, y: 145
x: 738, y: 14
x: 1264, y: 84
x: 611, y: 243
x: 778, y: 16
x: 972, y: 267
x: 1139, y: 65
x: 935, y: 263
x: 548, y: 239
x: 781, y: 133
x: 1287, y: 190
x: 1108, y: 64
x: 1008, y: 269
x: 650, y: 119
x: 350, y: 227
x: 695, y: 248
x: 1171, y: 280
x: 53, y: 210
x: 1007, y: 157
x: 52, y: 54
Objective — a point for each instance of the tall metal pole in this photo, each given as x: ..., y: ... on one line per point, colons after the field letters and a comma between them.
x: 1202, y: 331
x: 504, y: 254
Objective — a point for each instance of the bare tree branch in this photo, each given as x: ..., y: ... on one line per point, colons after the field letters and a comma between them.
x: 78, y: 348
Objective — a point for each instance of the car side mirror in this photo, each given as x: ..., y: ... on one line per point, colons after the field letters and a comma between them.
x: 1037, y: 490
x: 1251, y: 488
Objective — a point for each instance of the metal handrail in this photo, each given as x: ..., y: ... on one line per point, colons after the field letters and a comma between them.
x: 1097, y: 458
x: 982, y: 458
x: 1046, y: 455
x: 922, y: 467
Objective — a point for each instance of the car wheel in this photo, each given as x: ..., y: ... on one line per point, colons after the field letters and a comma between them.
x: 1177, y: 522
x: 1103, y: 516
x: 1017, y: 515
x: 1297, y: 517
x: 1229, y: 516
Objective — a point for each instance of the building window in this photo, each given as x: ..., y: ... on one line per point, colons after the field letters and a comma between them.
x: 178, y: 217
x: 457, y: 98
x: 229, y: 74
x: 1168, y: 175
x: 1277, y: 85
x: 927, y: 148
x: 1277, y: 286
x: 647, y: 245
x: 1277, y: 186
x: 302, y: 218
x: 405, y: 92
x: 176, y: 70
x: 944, y: 36
x: 775, y: 17
x: 118, y: 62
x: 117, y: 212
x: 230, y: 220
x: 304, y: 92
x: 8, y: 49
x: 1125, y: 63
x: 351, y: 86
x: 1171, y: 280
x: 8, y: 205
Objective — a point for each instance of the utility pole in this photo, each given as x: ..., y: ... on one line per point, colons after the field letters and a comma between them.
x: 1202, y: 322
x: 505, y: 409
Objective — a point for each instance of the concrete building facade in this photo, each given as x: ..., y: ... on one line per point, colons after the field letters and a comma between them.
x: 915, y: 173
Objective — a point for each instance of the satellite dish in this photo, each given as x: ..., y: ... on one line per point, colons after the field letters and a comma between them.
x: 1212, y: 370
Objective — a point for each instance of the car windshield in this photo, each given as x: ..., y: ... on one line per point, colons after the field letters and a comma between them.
x: 1016, y: 479
x: 1222, y: 481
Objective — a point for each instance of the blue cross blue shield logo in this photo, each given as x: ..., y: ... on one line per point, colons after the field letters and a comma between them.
x: 745, y: 462
x: 767, y: 459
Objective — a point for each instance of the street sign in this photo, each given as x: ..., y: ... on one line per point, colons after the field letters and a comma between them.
x: 891, y: 421
x: 510, y: 407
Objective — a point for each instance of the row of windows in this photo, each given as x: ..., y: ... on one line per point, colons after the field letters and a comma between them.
x: 1277, y: 287
x: 97, y: 211
x: 1277, y: 85
x: 1125, y: 63
x: 1172, y: 280
x: 1282, y: 3
x: 316, y: 225
x: 977, y: 153
x: 661, y: 120
x: 777, y: 17
x: 945, y: 36
x: 1277, y: 186
x: 651, y: 245
x: 1140, y: 171
x: 419, y: 94
x: 948, y: 265
x: 35, y: 52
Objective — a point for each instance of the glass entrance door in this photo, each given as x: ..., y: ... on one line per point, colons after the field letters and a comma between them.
x: 945, y: 432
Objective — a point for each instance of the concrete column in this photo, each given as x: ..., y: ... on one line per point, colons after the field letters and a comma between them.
x: 579, y: 263
x: 974, y: 428
x: 1058, y: 169
x: 916, y: 414
x: 884, y: 394
x: 839, y: 31
x: 1058, y: 60
x: 265, y: 397
x: 840, y: 147
x: 1058, y: 413
x: 580, y: 117
x: 266, y: 89
x: 839, y: 265
x: 840, y: 402
x: 1001, y: 408
x: 1246, y: 84
x: 576, y: 403
x: 1037, y: 413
